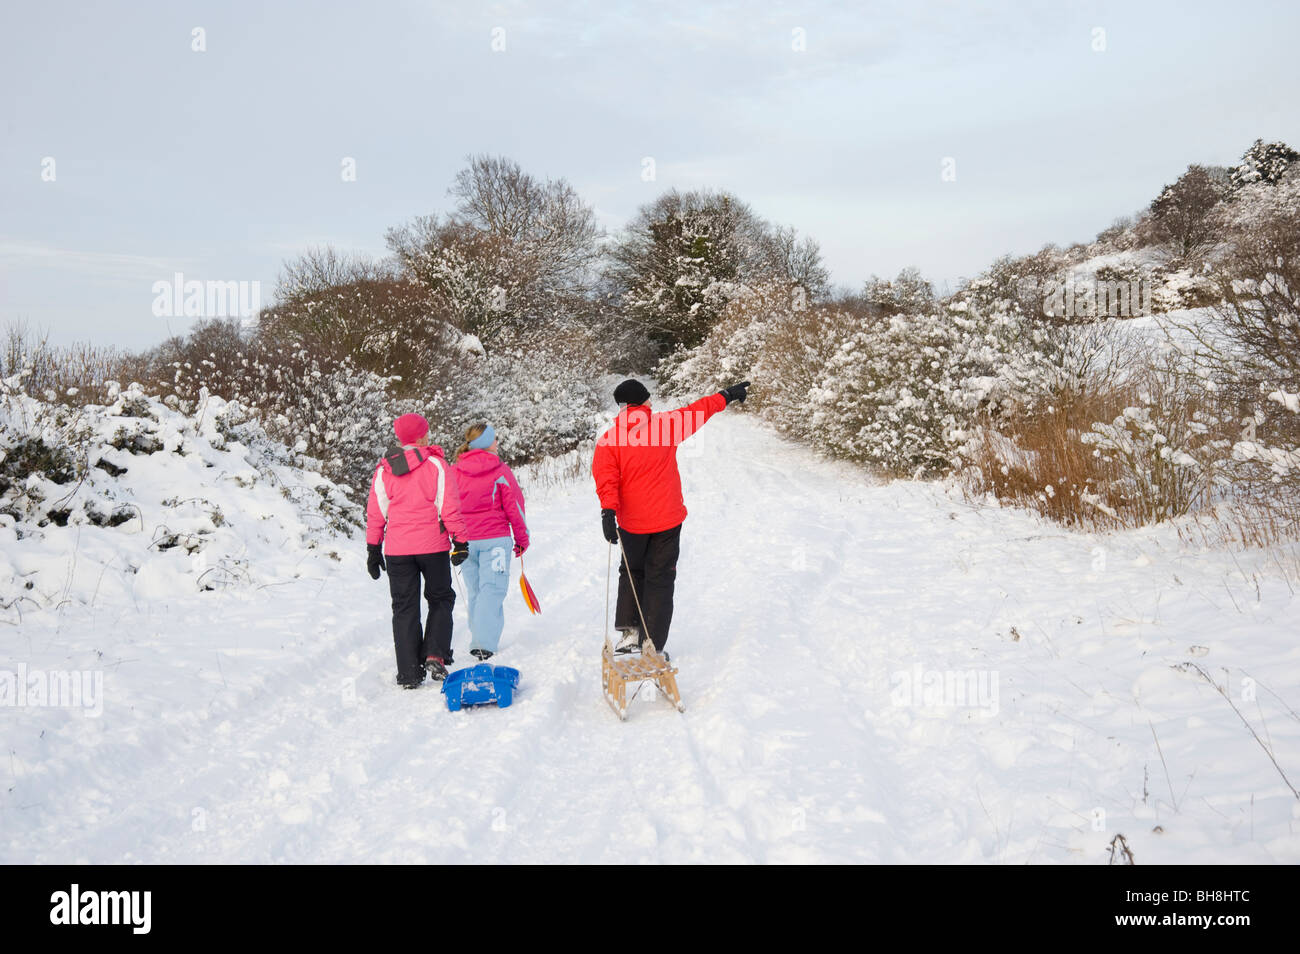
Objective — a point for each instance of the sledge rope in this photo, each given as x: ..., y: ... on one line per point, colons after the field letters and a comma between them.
x: 463, y: 598
x: 609, y: 572
x: 645, y: 630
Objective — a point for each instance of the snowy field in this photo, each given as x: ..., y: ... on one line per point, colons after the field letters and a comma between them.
x: 817, y: 611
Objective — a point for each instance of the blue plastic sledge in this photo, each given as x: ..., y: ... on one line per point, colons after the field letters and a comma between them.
x: 479, y: 685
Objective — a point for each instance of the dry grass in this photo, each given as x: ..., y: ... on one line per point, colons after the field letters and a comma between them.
x: 556, y: 474
x: 1162, y: 462
x: 74, y: 375
x: 1039, y: 461
x: 1270, y: 525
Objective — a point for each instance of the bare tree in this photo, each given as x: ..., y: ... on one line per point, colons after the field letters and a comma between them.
x: 1259, y: 284
x: 516, y: 251
x: 550, y: 228
x: 797, y: 261
x: 1181, y: 214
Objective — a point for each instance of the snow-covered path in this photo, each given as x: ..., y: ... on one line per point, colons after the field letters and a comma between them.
x: 264, y: 726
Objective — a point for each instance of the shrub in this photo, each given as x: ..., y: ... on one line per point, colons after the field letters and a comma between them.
x: 905, y: 393
x: 1166, y: 449
x: 541, y: 390
x: 1263, y: 162
x: 733, y: 346
x: 75, y: 375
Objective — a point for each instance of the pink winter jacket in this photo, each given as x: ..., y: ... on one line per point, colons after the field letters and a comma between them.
x: 490, y: 499
x: 402, y: 512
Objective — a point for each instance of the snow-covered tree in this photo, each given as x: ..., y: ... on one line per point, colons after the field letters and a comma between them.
x: 733, y: 345
x: 686, y: 255
x: 908, y: 294
x: 1263, y: 162
x: 1181, y: 215
x: 516, y: 251
x: 541, y: 389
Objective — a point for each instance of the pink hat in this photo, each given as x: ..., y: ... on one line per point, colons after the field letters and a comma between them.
x: 409, y: 428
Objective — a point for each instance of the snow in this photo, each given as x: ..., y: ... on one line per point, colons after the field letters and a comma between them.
x: 199, y: 508
x: 873, y: 672
x: 1289, y: 401
x: 1124, y: 259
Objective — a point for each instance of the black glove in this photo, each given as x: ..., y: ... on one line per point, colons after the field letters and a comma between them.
x: 375, y: 559
x: 459, y: 552
x: 737, y: 392
x: 608, y: 526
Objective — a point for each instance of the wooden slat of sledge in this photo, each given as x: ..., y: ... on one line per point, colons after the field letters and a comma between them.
x: 617, y: 672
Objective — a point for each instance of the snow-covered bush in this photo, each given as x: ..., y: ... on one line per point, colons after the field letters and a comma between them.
x: 1025, y: 282
x: 43, y: 452
x: 354, y: 309
x: 886, y: 397
x: 1166, y: 449
x: 73, y: 375
x: 733, y: 346
x: 139, y: 497
x: 1247, y: 345
x: 541, y: 390
x: 1282, y: 463
x: 792, y: 364
x: 1263, y: 162
x: 907, y: 294
x: 905, y: 393
x: 320, y: 406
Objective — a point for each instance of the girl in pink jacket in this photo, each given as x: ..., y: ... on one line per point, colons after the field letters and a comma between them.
x: 411, y: 517
x: 492, y: 506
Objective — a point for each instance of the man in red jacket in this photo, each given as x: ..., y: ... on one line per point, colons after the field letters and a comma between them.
x: 635, y: 467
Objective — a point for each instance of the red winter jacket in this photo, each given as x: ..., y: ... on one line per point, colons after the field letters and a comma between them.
x: 635, y: 464
x: 402, y: 512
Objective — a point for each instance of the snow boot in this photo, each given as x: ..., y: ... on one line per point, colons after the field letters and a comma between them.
x: 410, y: 683
x: 437, y: 668
x: 631, y: 641
x: 482, y: 655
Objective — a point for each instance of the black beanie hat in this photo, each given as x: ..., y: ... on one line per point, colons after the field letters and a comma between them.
x: 631, y: 392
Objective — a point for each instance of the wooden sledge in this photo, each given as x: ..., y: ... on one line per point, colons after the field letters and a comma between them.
x: 616, y: 671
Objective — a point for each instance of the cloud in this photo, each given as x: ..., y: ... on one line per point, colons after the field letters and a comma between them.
x: 119, y: 265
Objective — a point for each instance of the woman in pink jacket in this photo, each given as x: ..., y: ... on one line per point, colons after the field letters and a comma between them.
x: 492, y: 506
x: 413, y: 511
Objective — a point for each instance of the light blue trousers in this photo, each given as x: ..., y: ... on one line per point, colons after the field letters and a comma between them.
x: 487, y: 577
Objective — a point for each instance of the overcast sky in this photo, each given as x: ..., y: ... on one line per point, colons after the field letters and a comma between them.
x: 834, y: 118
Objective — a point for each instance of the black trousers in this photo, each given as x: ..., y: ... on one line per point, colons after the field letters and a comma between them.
x: 413, y: 646
x: 652, y: 559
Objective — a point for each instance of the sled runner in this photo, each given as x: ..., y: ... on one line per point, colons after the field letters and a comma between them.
x: 616, y: 672
x: 479, y: 685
